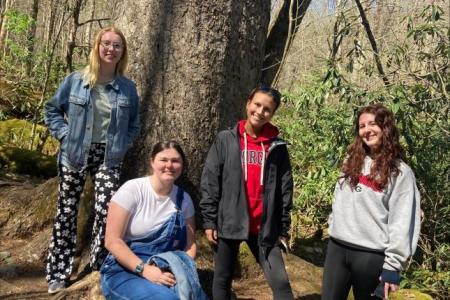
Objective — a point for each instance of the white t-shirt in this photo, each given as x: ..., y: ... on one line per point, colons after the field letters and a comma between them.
x: 148, y: 211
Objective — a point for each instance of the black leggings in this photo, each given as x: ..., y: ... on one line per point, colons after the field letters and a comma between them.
x: 225, y: 256
x: 347, y: 267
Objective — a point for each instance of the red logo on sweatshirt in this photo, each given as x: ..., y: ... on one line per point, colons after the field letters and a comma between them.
x: 364, y: 180
x: 253, y: 157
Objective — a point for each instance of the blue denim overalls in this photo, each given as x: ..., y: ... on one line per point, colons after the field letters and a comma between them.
x: 121, y: 283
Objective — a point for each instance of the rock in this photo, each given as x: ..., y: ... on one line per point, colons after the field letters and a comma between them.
x: 309, y: 250
x: 17, y: 132
x: 4, y: 255
x: 8, y: 270
x: 4, y: 217
x: 305, y: 278
x: 29, y: 162
x: 87, y: 288
x: 7, y: 288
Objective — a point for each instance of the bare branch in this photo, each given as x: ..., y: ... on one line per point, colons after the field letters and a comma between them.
x: 93, y: 20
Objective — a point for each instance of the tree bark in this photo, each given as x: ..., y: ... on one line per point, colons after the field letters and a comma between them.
x: 89, y: 30
x: 280, y: 37
x: 194, y: 63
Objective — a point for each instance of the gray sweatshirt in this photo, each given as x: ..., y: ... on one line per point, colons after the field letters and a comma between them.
x: 385, y: 220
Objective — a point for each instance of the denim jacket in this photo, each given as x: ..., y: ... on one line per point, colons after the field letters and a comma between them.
x: 69, y: 116
x: 183, y: 268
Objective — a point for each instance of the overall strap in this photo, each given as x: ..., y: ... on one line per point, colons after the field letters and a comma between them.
x: 180, y: 196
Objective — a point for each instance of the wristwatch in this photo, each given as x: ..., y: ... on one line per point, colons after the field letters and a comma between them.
x: 139, y: 268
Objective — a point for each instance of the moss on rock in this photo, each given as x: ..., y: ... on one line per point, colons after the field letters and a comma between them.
x: 17, y: 133
x: 28, y: 162
x: 409, y: 294
x: 403, y: 294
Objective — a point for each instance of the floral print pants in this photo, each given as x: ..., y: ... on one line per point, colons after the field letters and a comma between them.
x: 63, y: 241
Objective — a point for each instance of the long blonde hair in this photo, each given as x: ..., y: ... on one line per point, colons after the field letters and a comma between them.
x: 92, y: 71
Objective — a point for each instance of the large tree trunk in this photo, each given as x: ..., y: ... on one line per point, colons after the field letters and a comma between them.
x: 194, y: 63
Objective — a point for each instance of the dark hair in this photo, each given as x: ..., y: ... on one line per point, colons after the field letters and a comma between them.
x: 265, y: 89
x: 387, y: 155
x: 161, y: 146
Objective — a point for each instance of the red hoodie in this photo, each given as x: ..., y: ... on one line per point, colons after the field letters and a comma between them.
x: 253, y: 157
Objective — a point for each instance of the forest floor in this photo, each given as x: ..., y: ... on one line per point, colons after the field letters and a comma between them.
x: 24, y: 242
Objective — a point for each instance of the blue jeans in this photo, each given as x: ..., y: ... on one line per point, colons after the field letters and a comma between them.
x: 121, y: 283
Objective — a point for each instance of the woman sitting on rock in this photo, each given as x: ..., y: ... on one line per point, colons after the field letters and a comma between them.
x: 150, y: 233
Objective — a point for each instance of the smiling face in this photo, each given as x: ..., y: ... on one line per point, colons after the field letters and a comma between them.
x: 260, y: 110
x: 167, y: 165
x: 369, y: 131
x: 111, y: 48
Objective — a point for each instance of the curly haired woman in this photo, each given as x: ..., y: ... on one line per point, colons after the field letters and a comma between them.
x: 375, y: 221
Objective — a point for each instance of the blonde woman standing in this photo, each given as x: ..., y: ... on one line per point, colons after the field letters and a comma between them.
x: 94, y: 115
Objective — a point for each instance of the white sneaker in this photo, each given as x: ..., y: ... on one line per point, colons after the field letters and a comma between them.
x: 56, y: 286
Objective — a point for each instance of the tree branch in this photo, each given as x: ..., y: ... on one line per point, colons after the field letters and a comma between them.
x: 93, y: 20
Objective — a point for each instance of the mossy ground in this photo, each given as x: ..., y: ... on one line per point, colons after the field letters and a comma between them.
x: 22, y: 161
x: 17, y: 133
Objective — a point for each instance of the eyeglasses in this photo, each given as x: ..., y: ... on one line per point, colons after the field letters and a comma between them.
x: 108, y: 44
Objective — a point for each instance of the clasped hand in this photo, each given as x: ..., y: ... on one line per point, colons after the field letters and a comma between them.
x: 156, y: 275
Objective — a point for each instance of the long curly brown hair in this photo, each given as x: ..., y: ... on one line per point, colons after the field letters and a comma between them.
x: 385, y: 159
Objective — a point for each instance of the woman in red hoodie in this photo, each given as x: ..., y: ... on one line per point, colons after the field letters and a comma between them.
x: 247, y: 195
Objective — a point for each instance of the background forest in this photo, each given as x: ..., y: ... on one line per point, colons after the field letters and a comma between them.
x: 328, y: 57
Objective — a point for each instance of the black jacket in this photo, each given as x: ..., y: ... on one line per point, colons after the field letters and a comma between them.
x: 224, y: 203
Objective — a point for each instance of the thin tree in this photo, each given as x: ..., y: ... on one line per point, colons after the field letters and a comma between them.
x: 75, y: 25
x: 339, y: 31
x: 71, y: 43
x: 4, y: 25
x: 2, y: 11
x: 31, y: 34
x: 49, y: 25
x: 48, y: 69
x: 74, y: 16
x: 287, y: 19
x: 373, y: 43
